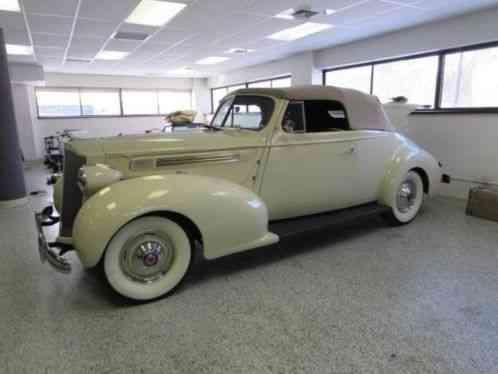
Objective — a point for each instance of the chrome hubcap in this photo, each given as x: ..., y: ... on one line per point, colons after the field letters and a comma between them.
x: 147, y: 257
x: 407, y: 195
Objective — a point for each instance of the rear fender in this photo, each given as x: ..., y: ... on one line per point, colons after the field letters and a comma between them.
x: 229, y: 217
x: 409, y: 157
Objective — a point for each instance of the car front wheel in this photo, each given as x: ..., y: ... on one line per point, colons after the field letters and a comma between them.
x: 147, y: 258
x: 408, y: 200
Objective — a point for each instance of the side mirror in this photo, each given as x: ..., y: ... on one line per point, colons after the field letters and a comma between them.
x: 289, y: 125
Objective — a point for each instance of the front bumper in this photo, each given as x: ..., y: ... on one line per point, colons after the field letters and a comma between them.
x: 47, y: 251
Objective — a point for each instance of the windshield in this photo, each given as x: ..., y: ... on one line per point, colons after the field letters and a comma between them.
x: 244, y: 112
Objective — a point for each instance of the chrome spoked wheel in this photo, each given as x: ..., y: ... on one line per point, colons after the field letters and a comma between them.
x: 408, y: 199
x: 407, y: 196
x: 147, y: 257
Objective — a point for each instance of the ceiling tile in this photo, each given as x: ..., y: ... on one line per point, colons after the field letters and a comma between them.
x: 50, y: 40
x: 196, y: 18
x: 50, y: 24
x: 49, y: 52
x: 168, y: 36
x: 122, y: 45
x: 360, y: 12
x: 85, y: 47
x: 16, y: 58
x: 54, y: 7
x: 111, y: 10
x: 12, y: 21
x: 48, y: 61
x: 17, y: 37
x: 94, y: 28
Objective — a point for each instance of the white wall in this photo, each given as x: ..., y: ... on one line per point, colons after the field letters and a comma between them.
x: 466, y: 144
x: 297, y: 65
x: 32, y: 130
x: 21, y: 95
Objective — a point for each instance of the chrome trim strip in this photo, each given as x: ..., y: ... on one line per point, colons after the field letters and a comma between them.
x: 224, y: 158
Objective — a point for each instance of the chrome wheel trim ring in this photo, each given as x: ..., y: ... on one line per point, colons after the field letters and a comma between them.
x: 147, y: 257
x: 406, y: 196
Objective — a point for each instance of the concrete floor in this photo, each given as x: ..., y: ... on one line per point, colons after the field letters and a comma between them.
x: 365, y: 298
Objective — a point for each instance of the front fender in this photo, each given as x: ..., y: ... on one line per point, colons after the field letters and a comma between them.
x: 229, y: 217
x: 408, y: 157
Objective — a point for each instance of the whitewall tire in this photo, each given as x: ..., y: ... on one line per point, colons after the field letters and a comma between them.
x: 408, y: 199
x: 147, y: 258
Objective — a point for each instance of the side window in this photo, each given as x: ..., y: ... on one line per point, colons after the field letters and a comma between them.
x: 294, y: 117
x: 325, y: 116
x: 250, y: 112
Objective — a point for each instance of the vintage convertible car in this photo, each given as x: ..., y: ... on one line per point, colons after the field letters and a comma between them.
x: 141, y: 205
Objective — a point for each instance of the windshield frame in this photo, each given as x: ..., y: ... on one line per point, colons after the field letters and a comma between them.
x: 232, y: 98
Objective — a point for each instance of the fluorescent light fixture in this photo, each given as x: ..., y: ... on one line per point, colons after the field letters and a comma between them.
x: 10, y: 5
x: 111, y: 55
x: 328, y: 12
x: 286, y: 14
x: 154, y: 12
x: 298, y: 32
x: 16, y: 49
x: 212, y: 60
x: 239, y: 51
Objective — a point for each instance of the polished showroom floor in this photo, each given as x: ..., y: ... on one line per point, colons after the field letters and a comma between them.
x: 363, y: 298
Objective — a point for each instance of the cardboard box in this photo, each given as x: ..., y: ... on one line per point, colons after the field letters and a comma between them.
x: 483, y: 203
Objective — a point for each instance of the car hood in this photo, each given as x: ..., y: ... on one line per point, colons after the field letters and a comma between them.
x: 167, y: 143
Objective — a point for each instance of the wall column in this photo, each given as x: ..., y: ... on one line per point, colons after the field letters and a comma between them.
x: 13, y: 186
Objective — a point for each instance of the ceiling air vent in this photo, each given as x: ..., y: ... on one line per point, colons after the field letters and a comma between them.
x: 304, y: 13
x: 125, y: 35
x: 79, y: 60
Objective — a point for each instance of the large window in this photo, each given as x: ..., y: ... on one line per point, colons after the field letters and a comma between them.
x: 454, y: 80
x: 140, y: 102
x: 58, y: 103
x: 357, y: 78
x: 217, y: 94
x: 470, y: 79
x: 414, y: 79
x: 98, y: 102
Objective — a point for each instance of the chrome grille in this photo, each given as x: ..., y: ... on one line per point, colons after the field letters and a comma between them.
x: 71, y: 197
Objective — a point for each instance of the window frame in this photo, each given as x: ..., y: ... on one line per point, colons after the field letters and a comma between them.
x: 120, y: 94
x: 441, y: 54
x: 246, y: 85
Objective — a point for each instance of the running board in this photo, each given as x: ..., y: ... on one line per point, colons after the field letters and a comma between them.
x: 299, y: 225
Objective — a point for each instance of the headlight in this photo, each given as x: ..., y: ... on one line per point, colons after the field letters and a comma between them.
x: 93, y: 178
x: 82, y: 178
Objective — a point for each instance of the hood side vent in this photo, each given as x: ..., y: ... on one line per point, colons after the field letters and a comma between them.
x: 142, y: 164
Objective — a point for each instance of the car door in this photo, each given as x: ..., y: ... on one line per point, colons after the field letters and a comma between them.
x: 312, y: 161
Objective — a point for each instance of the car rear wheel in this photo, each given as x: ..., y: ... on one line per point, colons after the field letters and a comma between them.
x: 147, y: 258
x: 408, y: 200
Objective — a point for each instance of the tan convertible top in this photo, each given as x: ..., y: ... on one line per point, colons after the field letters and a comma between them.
x: 364, y: 111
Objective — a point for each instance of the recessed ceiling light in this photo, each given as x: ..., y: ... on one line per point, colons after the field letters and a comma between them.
x: 240, y: 51
x: 328, y: 12
x: 111, y: 55
x: 10, y: 5
x: 212, y: 60
x: 298, y: 32
x: 16, y: 49
x: 154, y: 12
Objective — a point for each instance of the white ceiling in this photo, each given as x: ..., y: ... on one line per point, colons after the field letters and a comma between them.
x: 79, y: 29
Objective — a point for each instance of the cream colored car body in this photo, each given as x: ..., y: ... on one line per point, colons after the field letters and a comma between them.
x: 227, y: 185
